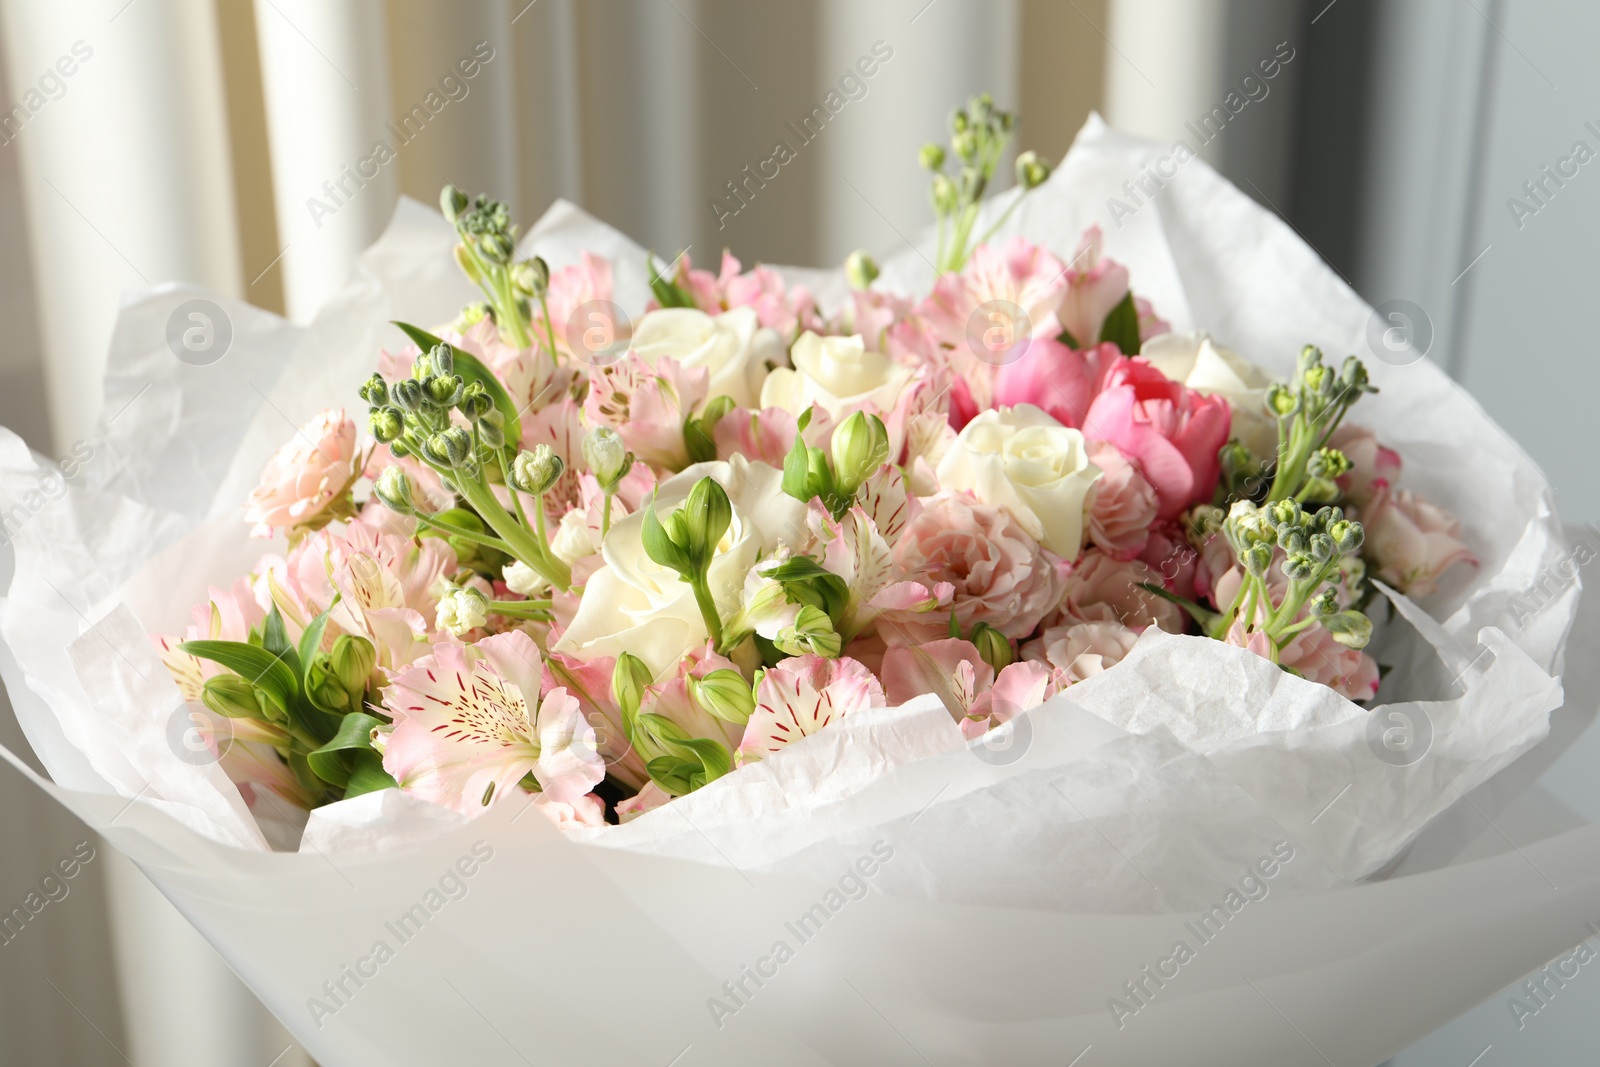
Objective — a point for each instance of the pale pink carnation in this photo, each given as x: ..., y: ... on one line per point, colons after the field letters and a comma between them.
x: 999, y: 575
x: 1373, y: 467
x: 1102, y: 589
x: 1123, y: 507
x: 302, y: 486
x: 1080, y: 650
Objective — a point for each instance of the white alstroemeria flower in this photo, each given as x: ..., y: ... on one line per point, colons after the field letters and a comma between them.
x: 836, y: 373
x: 633, y: 604
x: 733, y: 347
x: 1194, y: 361
x: 1022, y: 460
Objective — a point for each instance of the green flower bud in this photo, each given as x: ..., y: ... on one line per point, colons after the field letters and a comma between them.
x: 386, y: 423
x: 536, y: 470
x: 1321, y: 547
x: 492, y: 429
x: 1257, y: 558
x: 1327, y: 463
x: 860, y: 270
x: 1285, y: 513
x: 1325, y: 604
x: 470, y: 316
x: 607, y: 456
x: 461, y: 610
x: 375, y: 391
x: 945, y: 195
x: 993, y: 646
x: 931, y: 156
x: 959, y: 122
x: 444, y: 392
x: 452, y: 202
x: 1347, y: 535
x: 860, y: 447
x: 629, y: 680
x: 1282, y: 401
x: 1032, y: 171
x: 395, y: 491
x: 476, y: 401
x: 1294, y: 540
x: 811, y: 633
x: 234, y: 697
x: 352, y: 659
x: 706, y: 516
x: 407, y: 395
x: 1310, y: 356
x: 531, y: 276
x: 450, y: 448
x: 1326, y: 517
x: 1350, y: 628
x: 1298, y: 568
x: 982, y: 107
x: 443, y: 360
x: 725, y: 694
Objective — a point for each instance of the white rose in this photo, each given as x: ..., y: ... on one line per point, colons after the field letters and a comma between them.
x: 1022, y: 460
x: 733, y: 347
x: 633, y: 604
x: 836, y: 373
x: 1191, y: 358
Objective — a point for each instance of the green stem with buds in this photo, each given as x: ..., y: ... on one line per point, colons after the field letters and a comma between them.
x: 531, y: 550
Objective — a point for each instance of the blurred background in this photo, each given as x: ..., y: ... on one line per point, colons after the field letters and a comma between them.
x: 1428, y: 149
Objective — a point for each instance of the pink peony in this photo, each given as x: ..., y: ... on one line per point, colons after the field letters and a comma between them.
x: 802, y: 695
x: 1103, y: 589
x: 1061, y: 380
x: 998, y: 573
x: 1080, y: 650
x: 1123, y: 507
x: 1413, y: 540
x: 305, y: 484
x: 1373, y: 467
x: 469, y: 724
x: 1172, y: 432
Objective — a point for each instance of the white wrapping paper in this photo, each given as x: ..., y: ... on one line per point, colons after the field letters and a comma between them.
x: 882, y: 892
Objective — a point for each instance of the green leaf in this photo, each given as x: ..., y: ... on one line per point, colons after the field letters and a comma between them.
x: 311, y: 644
x: 668, y: 293
x: 334, y: 762
x: 472, y: 370
x: 367, y: 775
x: 272, y: 673
x: 1121, y: 327
x: 678, y: 777
x: 1066, y: 338
x: 797, y: 470
x: 275, y: 639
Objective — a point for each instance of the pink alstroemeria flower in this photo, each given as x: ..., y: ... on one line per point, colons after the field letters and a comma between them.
x: 954, y: 670
x: 647, y: 405
x: 469, y: 724
x: 803, y: 694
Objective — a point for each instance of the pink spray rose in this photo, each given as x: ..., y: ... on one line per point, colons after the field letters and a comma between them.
x: 1123, y: 507
x: 999, y: 574
x: 1173, y: 433
x: 1413, y: 540
x: 303, y: 485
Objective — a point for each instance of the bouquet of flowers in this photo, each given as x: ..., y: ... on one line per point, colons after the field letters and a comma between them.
x: 734, y: 589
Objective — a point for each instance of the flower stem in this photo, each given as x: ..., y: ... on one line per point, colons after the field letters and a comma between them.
x: 534, y: 552
x: 708, y: 610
